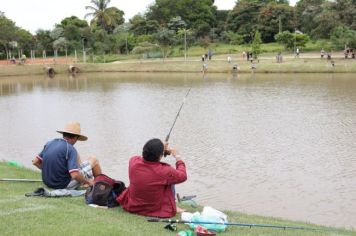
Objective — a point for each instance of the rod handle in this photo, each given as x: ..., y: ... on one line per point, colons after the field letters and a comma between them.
x: 153, y: 220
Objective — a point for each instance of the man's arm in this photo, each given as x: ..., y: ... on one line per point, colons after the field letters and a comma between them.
x: 178, y: 175
x: 81, y: 179
x: 37, y: 162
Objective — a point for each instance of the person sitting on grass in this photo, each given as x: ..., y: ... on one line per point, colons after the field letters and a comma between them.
x: 60, y: 162
x: 151, y: 189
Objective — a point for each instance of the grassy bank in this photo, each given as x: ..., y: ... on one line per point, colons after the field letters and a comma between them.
x: 20, y: 215
x: 307, y: 63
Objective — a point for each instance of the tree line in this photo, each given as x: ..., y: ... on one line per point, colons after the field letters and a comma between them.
x: 169, y: 23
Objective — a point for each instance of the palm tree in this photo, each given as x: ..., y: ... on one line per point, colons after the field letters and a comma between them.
x: 102, y: 14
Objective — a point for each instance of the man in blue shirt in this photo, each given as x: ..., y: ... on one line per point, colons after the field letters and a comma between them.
x: 60, y: 162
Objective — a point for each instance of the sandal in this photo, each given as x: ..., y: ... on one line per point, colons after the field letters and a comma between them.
x: 37, y: 192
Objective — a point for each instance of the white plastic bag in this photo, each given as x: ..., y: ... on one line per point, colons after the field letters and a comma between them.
x: 211, y: 213
x: 186, y: 216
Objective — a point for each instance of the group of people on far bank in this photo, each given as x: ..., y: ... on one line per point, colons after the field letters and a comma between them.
x: 151, y: 191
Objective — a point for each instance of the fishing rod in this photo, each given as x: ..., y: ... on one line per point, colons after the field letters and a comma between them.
x: 167, y: 152
x: 171, y: 221
x: 20, y: 180
x: 169, y: 134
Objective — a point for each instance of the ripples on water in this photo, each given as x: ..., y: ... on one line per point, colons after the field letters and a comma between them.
x: 276, y: 145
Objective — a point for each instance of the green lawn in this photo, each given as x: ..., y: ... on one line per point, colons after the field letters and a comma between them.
x: 21, y: 215
x: 307, y: 63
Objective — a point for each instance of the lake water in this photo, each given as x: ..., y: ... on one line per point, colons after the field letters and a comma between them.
x: 278, y: 145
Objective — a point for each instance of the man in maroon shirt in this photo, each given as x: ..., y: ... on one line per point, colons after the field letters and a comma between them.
x: 150, y: 192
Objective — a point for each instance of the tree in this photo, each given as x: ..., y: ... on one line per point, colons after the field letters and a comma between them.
x: 187, y: 37
x: 124, y: 40
x: 256, y: 45
x: 106, y: 17
x: 176, y: 23
x: 248, y: 16
x: 25, y: 40
x: 233, y: 38
x: 205, y: 42
x: 117, y: 18
x: 145, y: 48
x: 74, y: 21
x: 142, y: 26
x: 193, y: 12
x: 242, y: 19
x: 72, y: 28
x: 221, y: 18
x: 165, y: 38
x: 306, y: 11
x: 44, y: 40
x: 291, y: 40
x: 324, y: 26
x: 101, y: 43
x: 60, y: 44
x: 346, y: 9
x: 56, y: 33
x: 286, y: 39
x: 343, y: 37
x: 7, y: 33
x: 271, y: 17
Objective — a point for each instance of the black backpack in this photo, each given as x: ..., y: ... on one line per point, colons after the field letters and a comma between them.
x: 104, y: 191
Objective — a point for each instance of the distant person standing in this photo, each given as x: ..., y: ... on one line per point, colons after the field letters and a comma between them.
x: 23, y: 59
x: 13, y: 60
x: 279, y: 57
x: 205, y: 68
x: 297, y: 52
x: 243, y: 55
x: 210, y: 54
x: 322, y: 53
x: 329, y: 55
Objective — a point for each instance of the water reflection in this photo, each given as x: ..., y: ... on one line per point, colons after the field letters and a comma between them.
x: 274, y: 144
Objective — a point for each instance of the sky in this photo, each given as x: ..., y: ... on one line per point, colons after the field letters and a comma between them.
x: 44, y: 14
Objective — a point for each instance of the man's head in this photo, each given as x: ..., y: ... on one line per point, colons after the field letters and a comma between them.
x: 71, y: 138
x: 153, y: 150
x: 72, y: 131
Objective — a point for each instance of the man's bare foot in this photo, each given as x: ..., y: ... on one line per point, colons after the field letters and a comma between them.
x: 180, y: 210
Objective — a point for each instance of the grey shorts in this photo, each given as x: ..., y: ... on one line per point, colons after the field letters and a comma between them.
x: 86, y: 170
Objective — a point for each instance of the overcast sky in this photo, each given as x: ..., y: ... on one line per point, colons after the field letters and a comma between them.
x: 43, y: 14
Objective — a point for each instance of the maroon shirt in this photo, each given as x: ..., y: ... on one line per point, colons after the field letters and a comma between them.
x: 150, y: 191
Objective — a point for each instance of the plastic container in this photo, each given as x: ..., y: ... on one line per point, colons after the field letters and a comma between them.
x: 185, y: 233
x: 14, y: 163
x: 202, y: 231
x: 206, y: 234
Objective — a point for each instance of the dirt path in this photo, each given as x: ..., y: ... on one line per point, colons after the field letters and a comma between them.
x: 41, y: 61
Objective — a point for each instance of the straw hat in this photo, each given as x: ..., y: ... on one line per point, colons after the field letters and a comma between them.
x: 73, y: 128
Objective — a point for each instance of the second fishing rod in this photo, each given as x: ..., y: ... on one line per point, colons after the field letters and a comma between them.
x: 167, y: 152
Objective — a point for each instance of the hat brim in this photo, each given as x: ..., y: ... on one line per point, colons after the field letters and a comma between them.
x: 80, y: 137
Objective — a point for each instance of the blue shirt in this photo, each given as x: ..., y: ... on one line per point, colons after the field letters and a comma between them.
x: 59, y: 159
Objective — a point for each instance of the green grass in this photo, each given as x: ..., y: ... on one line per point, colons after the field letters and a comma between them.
x: 307, y: 63
x: 20, y: 215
